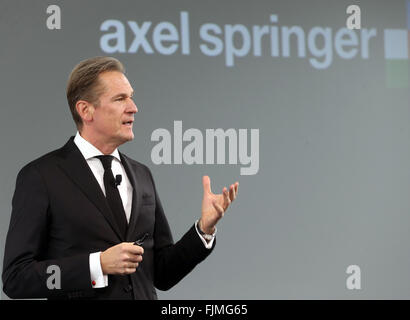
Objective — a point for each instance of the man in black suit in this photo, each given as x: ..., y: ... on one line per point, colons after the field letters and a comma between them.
x: 79, y: 209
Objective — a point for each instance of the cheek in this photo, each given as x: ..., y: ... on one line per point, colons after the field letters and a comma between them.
x: 109, y: 119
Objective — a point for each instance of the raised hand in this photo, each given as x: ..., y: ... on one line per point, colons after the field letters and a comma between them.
x: 214, y: 206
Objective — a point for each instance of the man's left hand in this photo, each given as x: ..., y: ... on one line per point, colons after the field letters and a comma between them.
x: 214, y: 206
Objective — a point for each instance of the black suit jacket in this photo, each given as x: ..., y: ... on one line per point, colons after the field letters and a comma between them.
x: 60, y: 216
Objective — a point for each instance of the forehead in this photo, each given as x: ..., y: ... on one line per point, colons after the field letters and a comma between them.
x: 114, y: 82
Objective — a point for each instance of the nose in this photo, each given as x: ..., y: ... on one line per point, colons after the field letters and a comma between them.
x: 132, y: 107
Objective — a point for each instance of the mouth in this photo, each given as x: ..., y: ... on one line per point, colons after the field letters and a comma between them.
x: 128, y: 123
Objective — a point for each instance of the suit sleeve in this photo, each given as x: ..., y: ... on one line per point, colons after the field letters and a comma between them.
x: 26, y: 269
x: 173, y: 261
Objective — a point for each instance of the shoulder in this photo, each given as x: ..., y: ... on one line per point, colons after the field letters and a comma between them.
x: 32, y: 176
x: 41, y: 162
x: 44, y: 162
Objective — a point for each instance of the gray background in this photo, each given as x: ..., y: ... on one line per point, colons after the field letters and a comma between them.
x: 334, y: 174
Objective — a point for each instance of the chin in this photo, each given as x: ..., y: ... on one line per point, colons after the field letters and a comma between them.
x: 129, y: 137
x: 124, y: 138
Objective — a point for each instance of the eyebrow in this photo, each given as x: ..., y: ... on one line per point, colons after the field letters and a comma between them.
x: 122, y: 95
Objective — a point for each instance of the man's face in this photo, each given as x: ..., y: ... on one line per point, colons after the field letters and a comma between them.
x: 114, y: 116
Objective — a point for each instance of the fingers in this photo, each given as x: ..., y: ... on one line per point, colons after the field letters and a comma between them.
x: 232, y: 191
x: 130, y: 247
x: 131, y: 265
x: 123, y: 258
x: 131, y: 257
x: 135, y: 258
x: 227, y: 200
x: 230, y: 195
x: 130, y: 268
x: 132, y: 253
x: 206, y: 182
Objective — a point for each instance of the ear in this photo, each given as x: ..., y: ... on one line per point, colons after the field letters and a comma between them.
x: 85, y: 110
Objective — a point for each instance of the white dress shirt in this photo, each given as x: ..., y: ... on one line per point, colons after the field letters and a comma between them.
x: 89, y: 152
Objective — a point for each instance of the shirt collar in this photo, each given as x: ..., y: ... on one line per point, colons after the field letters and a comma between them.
x: 89, y: 151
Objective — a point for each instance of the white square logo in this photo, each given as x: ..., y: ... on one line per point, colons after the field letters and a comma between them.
x: 395, y: 44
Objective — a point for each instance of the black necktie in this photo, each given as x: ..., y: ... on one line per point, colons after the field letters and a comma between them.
x: 113, y: 195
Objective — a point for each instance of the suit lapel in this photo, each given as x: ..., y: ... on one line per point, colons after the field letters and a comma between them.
x: 75, y: 166
x: 135, y: 179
